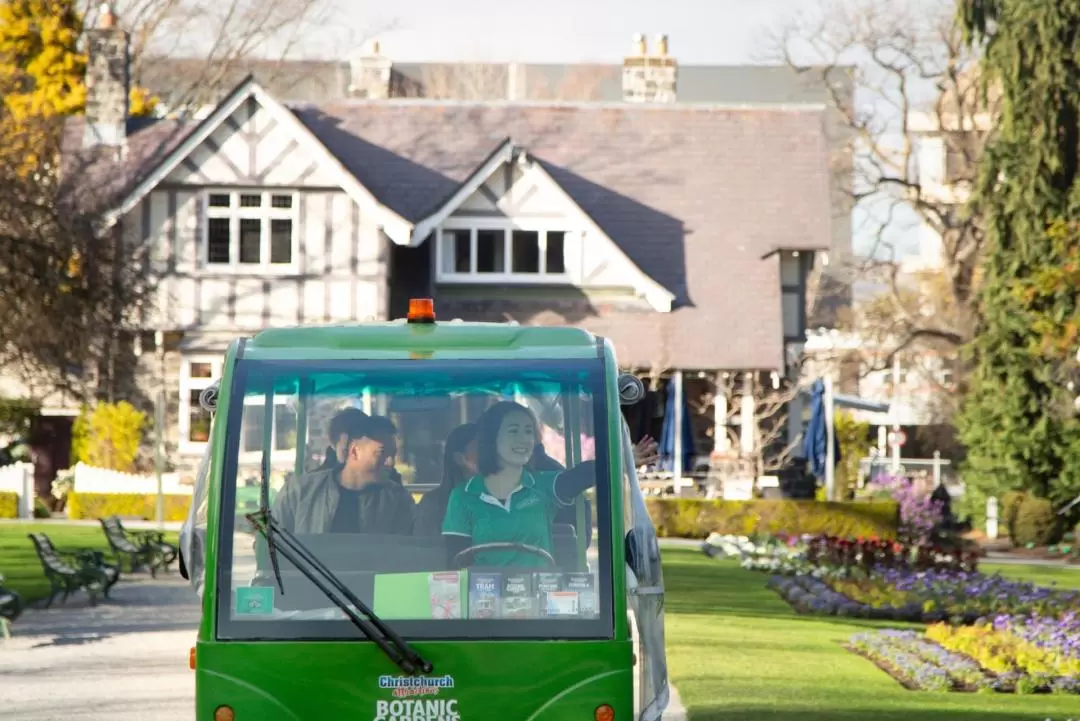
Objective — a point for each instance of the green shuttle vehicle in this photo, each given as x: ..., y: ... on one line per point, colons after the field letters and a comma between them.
x: 334, y: 587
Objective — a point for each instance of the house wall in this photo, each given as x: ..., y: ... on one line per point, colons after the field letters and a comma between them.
x: 336, y: 269
x: 339, y: 259
x: 340, y: 273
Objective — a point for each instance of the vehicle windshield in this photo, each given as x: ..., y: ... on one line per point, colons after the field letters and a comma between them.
x: 456, y: 499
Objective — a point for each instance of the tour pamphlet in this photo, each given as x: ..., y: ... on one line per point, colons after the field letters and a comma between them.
x: 583, y: 584
x: 518, y: 596
x: 484, y: 593
x: 547, y: 584
x: 445, y: 592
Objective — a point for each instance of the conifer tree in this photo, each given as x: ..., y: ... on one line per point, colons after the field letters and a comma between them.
x: 1017, y: 420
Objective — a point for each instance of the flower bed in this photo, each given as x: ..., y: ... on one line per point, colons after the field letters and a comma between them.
x: 919, y: 664
x: 886, y: 579
x: 928, y: 597
x: 1042, y: 649
x: 949, y: 658
x: 809, y: 594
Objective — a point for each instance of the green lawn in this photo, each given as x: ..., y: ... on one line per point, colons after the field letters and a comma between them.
x: 737, y: 651
x: 1042, y: 575
x: 20, y: 564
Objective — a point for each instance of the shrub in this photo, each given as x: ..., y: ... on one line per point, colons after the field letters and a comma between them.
x: 695, y: 518
x: 15, y: 416
x: 1010, y: 504
x: 9, y: 504
x: 1036, y: 523
x: 853, y: 437
x: 919, y: 513
x: 41, y: 510
x: 125, y: 505
x: 109, y: 436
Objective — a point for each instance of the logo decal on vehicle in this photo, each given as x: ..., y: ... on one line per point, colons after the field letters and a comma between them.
x: 405, y: 686
x: 417, y: 710
x: 254, y: 601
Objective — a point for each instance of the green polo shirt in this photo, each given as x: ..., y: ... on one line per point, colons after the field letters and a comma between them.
x: 525, y: 517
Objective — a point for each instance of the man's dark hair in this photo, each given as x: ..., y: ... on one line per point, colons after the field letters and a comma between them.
x: 383, y: 426
x: 348, y: 422
x: 343, y: 420
x: 487, y: 430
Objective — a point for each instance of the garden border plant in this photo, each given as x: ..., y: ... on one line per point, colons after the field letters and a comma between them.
x: 920, y: 663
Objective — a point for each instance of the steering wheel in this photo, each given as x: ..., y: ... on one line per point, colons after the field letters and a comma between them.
x: 503, y: 546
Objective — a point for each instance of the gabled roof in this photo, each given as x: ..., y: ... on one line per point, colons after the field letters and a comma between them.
x: 504, y: 153
x: 694, y: 196
x: 507, y: 152
x: 394, y: 225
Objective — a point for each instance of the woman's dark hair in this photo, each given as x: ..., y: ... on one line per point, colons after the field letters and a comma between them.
x: 458, y: 440
x: 487, y: 430
x: 433, y: 504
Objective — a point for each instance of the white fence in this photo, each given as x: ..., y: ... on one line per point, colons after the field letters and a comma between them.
x: 19, y: 478
x: 88, y: 479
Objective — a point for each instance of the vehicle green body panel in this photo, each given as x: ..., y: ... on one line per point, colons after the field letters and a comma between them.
x: 511, y: 680
x: 292, y: 681
x: 394, y: 340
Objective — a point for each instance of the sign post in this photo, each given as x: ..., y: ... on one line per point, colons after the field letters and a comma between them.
x: 897, y: 439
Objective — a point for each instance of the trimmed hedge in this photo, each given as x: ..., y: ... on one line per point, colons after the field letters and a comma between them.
x: 125, y: 505
x: 696, y: 518
x: 9, y: 504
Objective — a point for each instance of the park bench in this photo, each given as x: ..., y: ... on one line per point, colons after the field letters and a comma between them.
x: 140, y: 548
x: 166, y: 551
x: 11, y: 605
x: 68, y: 571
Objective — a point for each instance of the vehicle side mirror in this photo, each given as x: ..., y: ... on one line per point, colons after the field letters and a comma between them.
x: 631, y: 389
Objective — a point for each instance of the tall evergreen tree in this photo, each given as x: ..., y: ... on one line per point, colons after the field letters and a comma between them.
x: 1017, y: 419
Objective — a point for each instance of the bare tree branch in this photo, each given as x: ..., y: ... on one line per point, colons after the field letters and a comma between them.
x: 195, y: 50
x: 916, y: 96
x: 73, y: 291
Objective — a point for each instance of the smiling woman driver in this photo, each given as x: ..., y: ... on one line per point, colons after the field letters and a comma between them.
x: 505, y: 502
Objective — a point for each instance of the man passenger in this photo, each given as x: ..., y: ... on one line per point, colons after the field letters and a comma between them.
x: 335, y: 452
x: 358, y: 495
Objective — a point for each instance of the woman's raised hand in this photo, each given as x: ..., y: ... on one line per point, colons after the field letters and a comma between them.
x: 645, y: 452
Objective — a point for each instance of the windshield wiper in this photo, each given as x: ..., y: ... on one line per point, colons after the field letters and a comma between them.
x: 400, y: 652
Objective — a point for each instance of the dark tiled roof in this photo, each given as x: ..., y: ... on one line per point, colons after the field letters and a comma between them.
x: 96, y: 180
x: 694, y: 196
x: 321, y: 81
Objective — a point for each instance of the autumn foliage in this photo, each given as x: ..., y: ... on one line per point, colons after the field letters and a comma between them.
x: 64, y: 282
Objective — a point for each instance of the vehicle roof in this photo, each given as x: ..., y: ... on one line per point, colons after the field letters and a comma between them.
x: 442, y: 339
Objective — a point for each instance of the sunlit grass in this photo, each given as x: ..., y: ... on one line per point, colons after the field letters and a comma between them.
x: 737, y: 651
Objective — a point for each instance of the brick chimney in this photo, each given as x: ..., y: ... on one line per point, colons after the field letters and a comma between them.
x: 370, y: 74
x: 649, y: 78
x: 108, y: 80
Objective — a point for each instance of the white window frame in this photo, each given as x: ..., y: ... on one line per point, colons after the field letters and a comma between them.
x: 188, y: 384
x: 571, y: 250
x: 264, y: 213
x: 277, y: 454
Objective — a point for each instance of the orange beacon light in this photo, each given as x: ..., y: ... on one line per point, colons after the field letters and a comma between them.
x: 421, y: 310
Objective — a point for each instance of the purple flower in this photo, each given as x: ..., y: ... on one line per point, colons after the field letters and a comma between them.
x: 919, y: 513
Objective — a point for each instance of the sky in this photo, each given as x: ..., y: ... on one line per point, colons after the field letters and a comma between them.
x: 561, y: 31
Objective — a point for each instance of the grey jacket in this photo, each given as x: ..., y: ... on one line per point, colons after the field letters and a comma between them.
x: 307, y: 505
